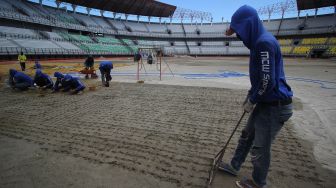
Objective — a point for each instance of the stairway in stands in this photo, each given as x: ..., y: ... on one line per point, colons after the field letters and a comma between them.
x: 110, y: 24
x: 185, y: 38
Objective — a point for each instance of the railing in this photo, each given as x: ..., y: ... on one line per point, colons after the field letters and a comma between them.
x: 55, y: 51
x: 20, y: 36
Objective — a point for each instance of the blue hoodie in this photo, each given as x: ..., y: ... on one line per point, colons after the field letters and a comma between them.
x: 105, y: 65
x: 60, y: 81
x: 42, y: 79
x: 267, y: 75
x: 73, y: 83
x: 37, y: 65
x: 20, y: 77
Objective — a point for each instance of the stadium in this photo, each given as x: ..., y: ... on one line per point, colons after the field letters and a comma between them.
x: 166, y: 114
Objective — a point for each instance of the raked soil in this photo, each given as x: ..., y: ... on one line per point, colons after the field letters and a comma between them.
x: 136, y: 135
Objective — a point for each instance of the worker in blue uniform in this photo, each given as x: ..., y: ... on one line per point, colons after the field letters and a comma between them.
x: 43, y: 80
x: 60, y: 81
x: 105, y: 68
x: 19, y: 80
x: 269, y: 99
x: 74, y: 84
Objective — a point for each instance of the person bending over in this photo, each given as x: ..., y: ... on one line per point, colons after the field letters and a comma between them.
x: 269, y: 99
x: 105, y: 68
x: 19, y: 80
x: 73, y: 84
x: 60, y: 82
x: 43, y: 80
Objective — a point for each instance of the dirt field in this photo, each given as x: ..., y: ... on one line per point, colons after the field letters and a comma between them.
x: 140, y: 135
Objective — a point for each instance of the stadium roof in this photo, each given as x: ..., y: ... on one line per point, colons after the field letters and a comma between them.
x: 312, y: 4
x: 137, y: 7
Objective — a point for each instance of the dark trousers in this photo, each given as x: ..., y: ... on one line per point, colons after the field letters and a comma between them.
x: 23, y: 66
x: 262, y: 127
x: 105, y: 74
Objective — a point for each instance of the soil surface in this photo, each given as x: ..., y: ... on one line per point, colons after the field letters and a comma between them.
x: 136, y: 135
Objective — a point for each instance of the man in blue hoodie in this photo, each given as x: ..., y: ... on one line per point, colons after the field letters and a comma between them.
x: 105, y: 68
x: 269, y: 99
x: 60, y: 81
x: 43, y: 80
x: 19, y: 80
x: 73, y: 84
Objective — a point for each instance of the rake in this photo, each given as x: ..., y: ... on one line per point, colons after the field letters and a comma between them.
x: 220, y: 154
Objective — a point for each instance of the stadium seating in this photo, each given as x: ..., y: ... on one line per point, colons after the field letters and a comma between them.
x: 320, y: 21
x: 285, y: 41
x: 332, y: 50
x: 332, y: 40
x: 314, y: 41
x: 108, y: 40
x: 136, y: 26
x: 81, y: 38
x: 6, y: 43
x: 272, y: 26
x: 36, y: 43
x: 20, y: 31
x: 54, y: 37
x: 214, y: 28
x: 238, y: 50
x: 128, y: 41
x: 161, y: 43
x: 67, y: 45
x: 302, y: 50
x: 5, y: 5
x: 236, y: 43
x: 157, y: 28
x: 212, y: 43
x: 175, y: 28
x: 145, y: 43
x: 286, y: 50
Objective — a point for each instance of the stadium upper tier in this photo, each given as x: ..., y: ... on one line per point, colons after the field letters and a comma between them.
x: 48, y: 31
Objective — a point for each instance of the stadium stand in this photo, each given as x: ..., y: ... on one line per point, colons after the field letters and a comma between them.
x: 332, y: 40
x: 53, y: 31
x: 285, y: 42
x: 314, y: 41
x: 272, y: 26
x: 332, y: 50
x: 285, y: 50
x: 302, y: 50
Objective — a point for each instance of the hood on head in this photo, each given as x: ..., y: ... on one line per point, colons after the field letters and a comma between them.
x: 67, y: 77
x: 247, y: 25
x: 58, y: 75
x: 12, y: 72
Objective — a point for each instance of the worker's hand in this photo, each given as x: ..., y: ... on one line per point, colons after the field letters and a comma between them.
x: 248, y: 106
x: 246, y: 99
x: 229, y: 31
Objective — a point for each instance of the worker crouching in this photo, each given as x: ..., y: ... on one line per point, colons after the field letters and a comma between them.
x: 74, y: 84
x: 105, y: 68
x: 43, y: 80
x: 19, y: 80
x: 60, y: 81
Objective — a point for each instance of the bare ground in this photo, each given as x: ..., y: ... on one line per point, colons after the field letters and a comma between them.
x: 135, y: 135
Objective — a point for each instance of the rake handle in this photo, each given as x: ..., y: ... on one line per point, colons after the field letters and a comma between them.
x: 222, y: 151
x: 220, y: 154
